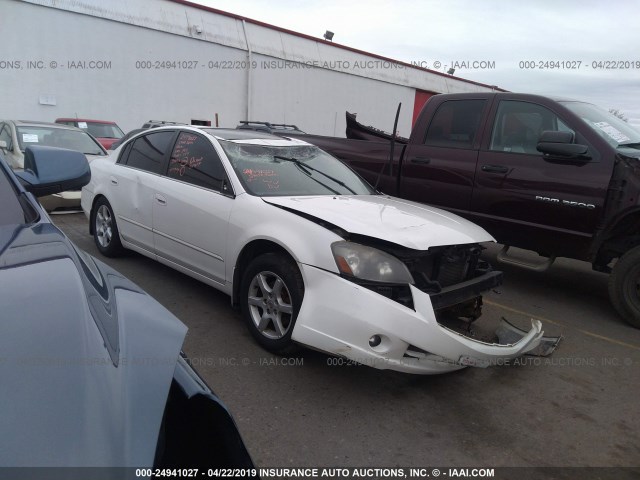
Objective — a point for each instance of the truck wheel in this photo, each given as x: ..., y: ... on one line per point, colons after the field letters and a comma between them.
x: 271, y: 293
x: 105, y: 229
x: 624, y: 286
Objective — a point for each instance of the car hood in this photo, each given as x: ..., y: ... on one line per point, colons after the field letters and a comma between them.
x: 86, y: 357
x: 412, y: 225
x: 629, y: 152
x: 91, y: 158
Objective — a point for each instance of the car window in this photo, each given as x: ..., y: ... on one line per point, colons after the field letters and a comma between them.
x: 148, y: 152
x: 455, y: 124
x: 58, y: 137
x: 124, y: 154
x: 194, y: 160
x: 518, y: 126
x: 5, y: 135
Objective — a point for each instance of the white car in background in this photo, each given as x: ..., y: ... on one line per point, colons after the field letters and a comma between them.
x: 17, y: 135
x: 309, y: 251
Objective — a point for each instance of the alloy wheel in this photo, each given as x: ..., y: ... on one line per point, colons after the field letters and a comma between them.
x: 104, y: 224
x: 270, y: 305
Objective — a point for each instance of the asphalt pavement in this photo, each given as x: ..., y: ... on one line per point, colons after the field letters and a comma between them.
x: 578, y: 407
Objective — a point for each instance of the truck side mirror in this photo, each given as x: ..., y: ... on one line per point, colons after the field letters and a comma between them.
x: 3, y: 145
x: 560, y: 146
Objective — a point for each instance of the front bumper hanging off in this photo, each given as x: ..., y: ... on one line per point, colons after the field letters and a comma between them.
x: 341, y: 317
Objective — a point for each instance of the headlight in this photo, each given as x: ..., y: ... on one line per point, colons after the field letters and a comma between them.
x: 368, y: 263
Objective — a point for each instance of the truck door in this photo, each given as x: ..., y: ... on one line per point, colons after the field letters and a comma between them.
x: 524, y: 199
x: 440, y: 171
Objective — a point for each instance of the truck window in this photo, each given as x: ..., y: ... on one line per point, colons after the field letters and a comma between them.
x: 518, y: 126
x: 455, y: 124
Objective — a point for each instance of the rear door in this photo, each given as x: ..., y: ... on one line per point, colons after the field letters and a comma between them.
x: 132, y: 185
x: 191, y: 209
x: 527, y: 200
x: 440, y: 170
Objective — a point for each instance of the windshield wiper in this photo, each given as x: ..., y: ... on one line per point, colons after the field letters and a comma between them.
x: 304, y: 166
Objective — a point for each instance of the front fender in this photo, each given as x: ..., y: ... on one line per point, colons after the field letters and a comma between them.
x: 306, y: 241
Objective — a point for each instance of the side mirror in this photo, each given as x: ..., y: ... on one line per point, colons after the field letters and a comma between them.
x: 560, y: 144
x: 3, y: 145
x: 50, y: 170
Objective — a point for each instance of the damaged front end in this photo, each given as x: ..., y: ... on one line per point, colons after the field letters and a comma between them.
x: 413, y: 310
x: 454, y: 277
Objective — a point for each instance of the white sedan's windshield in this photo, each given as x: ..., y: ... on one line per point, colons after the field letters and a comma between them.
x: 614, y: 130
x: 292, y: 170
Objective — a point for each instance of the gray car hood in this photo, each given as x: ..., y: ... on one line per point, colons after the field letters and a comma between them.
x: 410, y: 224
x: 86, y: 357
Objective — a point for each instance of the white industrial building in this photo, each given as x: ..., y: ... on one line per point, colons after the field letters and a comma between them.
x: 135, y: 60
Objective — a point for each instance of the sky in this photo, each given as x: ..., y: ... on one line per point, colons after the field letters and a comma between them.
x: 587, y: 50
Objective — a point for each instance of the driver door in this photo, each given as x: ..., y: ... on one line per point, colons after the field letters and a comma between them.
x: 527, y: 199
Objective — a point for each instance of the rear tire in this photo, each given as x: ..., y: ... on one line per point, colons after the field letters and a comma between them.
x: 624, y: 286
x: 271, y: 294
x: 105, y: 229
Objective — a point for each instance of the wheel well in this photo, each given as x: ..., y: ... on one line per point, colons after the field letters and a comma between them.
x: 248, y: 253
x: 621, y: 237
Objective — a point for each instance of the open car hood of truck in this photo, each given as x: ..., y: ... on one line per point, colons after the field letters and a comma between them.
x: 402, y: 222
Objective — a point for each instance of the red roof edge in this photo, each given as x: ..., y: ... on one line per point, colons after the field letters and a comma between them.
x: 74, y: 119
x: 337, y: 45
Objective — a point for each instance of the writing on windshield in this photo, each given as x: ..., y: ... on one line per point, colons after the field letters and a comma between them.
x: 266, y: 170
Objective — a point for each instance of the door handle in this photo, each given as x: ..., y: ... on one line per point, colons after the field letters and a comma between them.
x: 114, y: 181
x: 421, y: 161
x: 494, y: 169
x: 160, y: 199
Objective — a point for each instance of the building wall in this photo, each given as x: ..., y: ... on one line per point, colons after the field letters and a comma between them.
x: 214, y: 64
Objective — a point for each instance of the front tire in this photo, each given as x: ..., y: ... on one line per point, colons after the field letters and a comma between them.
x: 105, y: 229
x: 271, y: 294
x: 624, y: 286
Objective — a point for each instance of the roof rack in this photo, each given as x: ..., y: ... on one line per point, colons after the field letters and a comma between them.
x: 157, y: 123
x: 269, y: 127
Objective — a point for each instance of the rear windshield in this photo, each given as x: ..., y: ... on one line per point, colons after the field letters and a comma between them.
x: 102, y: 130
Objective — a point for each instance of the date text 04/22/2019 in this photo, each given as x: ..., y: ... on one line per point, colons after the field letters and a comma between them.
x: 579, y: 65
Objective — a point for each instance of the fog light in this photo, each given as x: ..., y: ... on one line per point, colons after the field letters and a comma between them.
x: 375, y: 340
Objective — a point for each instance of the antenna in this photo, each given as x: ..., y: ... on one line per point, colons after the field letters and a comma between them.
x: 393, y: 144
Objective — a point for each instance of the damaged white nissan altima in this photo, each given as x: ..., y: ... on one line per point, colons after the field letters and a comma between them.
x: 309, y: 251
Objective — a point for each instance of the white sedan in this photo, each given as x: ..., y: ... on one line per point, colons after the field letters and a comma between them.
x: 309, y: 251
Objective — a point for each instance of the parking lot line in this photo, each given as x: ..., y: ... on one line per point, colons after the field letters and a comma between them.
x: 543, y: 319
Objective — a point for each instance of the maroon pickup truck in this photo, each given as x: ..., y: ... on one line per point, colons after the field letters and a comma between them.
x: 559, y: 177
